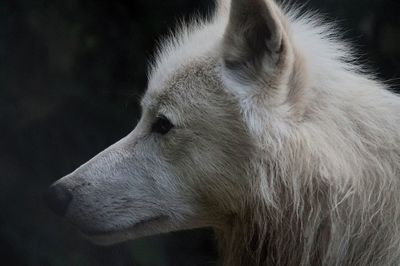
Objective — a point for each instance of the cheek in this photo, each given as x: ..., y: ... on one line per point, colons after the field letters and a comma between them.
x: 208, y: 173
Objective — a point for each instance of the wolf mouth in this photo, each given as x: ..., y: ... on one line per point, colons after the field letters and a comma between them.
x: 136, y: 225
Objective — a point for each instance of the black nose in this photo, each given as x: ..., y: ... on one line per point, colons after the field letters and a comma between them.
x: 58, y: 198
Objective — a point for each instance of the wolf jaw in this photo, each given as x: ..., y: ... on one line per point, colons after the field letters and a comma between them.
x: 287, y: 149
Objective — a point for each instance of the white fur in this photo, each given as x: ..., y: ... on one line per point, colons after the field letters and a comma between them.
x: 306, y: 176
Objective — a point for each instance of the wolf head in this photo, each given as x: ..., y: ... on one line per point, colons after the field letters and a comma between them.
x: 214, y: 89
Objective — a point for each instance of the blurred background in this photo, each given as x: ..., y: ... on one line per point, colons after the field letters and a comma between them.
x: 71, y: 75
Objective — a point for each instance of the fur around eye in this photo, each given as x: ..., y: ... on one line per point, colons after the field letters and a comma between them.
x: 162, y: 125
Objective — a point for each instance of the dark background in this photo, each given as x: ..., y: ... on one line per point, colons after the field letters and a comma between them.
x: 71, y: 74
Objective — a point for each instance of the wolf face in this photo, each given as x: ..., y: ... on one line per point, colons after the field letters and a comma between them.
x: 186, y: 163
x: 170, y: 173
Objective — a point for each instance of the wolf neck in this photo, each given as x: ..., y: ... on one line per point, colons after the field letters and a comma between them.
x: 303, y: 218
x: 275, y: 236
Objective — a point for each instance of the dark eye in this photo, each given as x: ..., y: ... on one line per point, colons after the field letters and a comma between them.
x: 162, y: 125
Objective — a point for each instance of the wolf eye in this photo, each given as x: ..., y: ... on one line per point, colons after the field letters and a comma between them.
x: 162, y: 125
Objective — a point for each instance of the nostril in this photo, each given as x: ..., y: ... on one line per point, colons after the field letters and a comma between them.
x: 57, y: 198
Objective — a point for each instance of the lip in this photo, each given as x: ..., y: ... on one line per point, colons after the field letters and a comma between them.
x: 135, y: 226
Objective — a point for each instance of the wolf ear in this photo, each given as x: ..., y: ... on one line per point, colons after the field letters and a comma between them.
x: 255, y: 46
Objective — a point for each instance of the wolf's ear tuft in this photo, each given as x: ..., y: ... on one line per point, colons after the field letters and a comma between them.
x: 255, y: 44
x: 223, y: 7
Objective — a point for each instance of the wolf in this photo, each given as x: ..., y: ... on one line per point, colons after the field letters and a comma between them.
x: 259, y: 123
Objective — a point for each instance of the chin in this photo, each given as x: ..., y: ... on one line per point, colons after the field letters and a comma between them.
x: 153, y: 226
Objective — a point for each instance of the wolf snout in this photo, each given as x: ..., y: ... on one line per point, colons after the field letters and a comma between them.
x: 58, y: 198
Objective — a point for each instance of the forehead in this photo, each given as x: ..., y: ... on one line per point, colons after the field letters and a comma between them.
x: 188, y: 86
x: 184, y: 62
